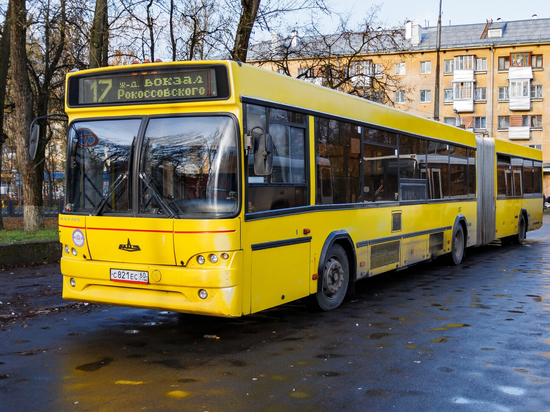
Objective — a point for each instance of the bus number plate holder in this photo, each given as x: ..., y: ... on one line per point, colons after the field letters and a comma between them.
x: 130, y: 276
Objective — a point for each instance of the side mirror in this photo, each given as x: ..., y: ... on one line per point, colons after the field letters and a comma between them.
x: 33, y: 141
x: 263, y: 152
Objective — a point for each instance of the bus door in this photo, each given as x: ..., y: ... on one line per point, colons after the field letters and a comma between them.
x: 275, y: 234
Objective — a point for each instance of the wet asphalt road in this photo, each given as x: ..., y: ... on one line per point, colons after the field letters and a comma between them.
x: 430, y: 338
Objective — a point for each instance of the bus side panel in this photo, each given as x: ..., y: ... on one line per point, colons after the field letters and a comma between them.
x: 279, y: 256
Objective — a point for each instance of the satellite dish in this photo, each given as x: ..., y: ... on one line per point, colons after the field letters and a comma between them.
x: 33, y: 141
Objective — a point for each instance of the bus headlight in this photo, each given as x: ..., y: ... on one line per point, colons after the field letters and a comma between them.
x: 73, y: 282
x: 213, y: 258
x: 74, y: 252
x: 67, y: 249
x: 201, y: 259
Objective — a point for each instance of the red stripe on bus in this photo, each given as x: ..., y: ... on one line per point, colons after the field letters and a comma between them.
x: 205, y: 232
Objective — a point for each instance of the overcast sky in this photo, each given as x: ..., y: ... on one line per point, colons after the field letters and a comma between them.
x: 457, y: 12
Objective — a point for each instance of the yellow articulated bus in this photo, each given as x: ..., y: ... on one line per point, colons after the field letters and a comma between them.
x: 221, y: 189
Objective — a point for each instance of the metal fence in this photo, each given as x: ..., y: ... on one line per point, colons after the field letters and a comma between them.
x: 12, y: 208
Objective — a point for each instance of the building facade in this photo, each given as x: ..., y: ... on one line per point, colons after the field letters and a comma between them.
x: 493, y: 78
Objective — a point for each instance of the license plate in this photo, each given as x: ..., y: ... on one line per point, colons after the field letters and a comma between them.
x: 130, y: 276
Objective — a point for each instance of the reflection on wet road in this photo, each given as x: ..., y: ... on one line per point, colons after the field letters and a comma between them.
x: 432, y: 337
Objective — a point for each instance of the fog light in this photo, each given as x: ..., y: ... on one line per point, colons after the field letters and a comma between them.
x: 73, y: 282
x: 201, y: 260
x: 67, y: 249
x: 203, y: 294
x: 225, y: 256
x: 74, y: 252
x: 213, y: 258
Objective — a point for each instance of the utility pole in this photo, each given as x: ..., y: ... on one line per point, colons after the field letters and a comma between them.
x: 437, y: 66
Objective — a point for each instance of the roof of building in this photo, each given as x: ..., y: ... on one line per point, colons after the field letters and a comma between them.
x: 472, y: 35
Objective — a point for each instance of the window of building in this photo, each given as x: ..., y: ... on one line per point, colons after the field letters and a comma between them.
x: 448, y: 66
x: 463, y: 90
x: 536, y: 91
x: 447, y: 95
x: 503, y: 122
x: 400, y: 97
x: 480, y: 122
x: 503, y: 93
x: 481, y: 64
x: 535, y: 146
x: 480, y: 93
x: 399, y: 69
x: 425, y: 67
x: 520, y: 59
x: 533, y: 121
x: 519, y: 88
x: 425, y: 96
x: 306, y: 72
x: 464, y: 62
x: 536, y: 61
x: 451, y: 121
x: 504, y: 63
x: 378, y: 70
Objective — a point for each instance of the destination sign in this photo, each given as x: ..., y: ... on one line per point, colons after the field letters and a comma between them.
x: 151, y: 85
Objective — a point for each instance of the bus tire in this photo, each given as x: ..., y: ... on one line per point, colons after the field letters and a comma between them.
x: 522, y: 229
x: 458, y: 248
x: 333, y: 284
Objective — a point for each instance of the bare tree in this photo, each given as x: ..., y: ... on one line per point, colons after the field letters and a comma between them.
x: 346, y: 61
x: 4, y: 58
x: 33, y: 209
x: 99, y: 36
x: 264, y: 13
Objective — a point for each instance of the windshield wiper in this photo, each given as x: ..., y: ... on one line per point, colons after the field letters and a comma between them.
x: 157, y: 196
x: 105, y: 198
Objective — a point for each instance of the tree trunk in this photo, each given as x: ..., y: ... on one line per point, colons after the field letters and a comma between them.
x: 99, y: 36
x: 242, y: 38
x: 33, y: 209
x: 4, y: 58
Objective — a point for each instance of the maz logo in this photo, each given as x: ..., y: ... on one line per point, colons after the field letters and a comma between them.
x: 128, y: 247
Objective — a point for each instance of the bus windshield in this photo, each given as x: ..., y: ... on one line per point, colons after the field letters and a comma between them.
x: 189, y: 167
x: 100, y: 155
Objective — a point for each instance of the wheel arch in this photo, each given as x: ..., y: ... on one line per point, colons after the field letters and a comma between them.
x: 461, y: 220
x: 342, y: 238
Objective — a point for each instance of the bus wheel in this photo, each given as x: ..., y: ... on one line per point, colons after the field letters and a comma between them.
x: 520, y: 237
x: 334, y: 282
x: 457, y: 249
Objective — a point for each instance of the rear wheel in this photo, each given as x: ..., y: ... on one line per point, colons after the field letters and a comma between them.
x: 522, y: 229
x: 457, y: 247
x: 334, y: 282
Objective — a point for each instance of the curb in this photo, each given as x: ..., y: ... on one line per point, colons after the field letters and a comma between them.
x: 30, y: 253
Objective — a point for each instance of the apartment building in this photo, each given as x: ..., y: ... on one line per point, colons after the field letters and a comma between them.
x: 493, y: 78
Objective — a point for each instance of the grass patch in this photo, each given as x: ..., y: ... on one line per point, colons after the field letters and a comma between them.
x: 13, y: 236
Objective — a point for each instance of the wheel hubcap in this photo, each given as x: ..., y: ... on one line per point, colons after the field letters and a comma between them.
x: 334, y: 277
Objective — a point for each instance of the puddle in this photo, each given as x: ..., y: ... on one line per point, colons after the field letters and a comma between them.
x: 510, y: 390
x: 457, y: 325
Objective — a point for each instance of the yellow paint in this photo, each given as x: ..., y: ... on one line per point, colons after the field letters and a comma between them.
x: 123, y: 382
x: 545, y: 354
x: 456, y: 325
x: 437, y: 329
x: 177, y: 394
